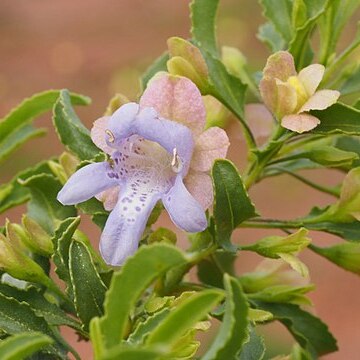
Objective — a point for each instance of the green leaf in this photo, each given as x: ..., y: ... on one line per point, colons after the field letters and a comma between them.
x: 126, y: 353
x: 352, y: 84
x: 299, y: 45
x: 284, y: 294
x: 333, y: 71
x: 72, y: 133
x: 88, y: 288
x: 149, y: 324
x: 309, y: 331
x: 22, y: 345
x: 133, y: 278
x: 271, y: 37
x: 332, y: 24
x: 36, y: 300
x: 158, y: 65
x: 347, y: 231
x: 43, y: 207
x: 13, y: 193
x: 31, y: 108
x: 330, y: 156
x: 211, y: 270
x: 16, y: 317
x: 254, y: 347
x: 279, y: 13
x: 356, y: 104
x: 232, y: 203
x: 338, y: 119
x: 14, y: 140
x: 225, y: 87
x: 233, y: 330
x: 351, y: 144
x: 203, y: 17
x: 62, y: 240
x: 184, y: 317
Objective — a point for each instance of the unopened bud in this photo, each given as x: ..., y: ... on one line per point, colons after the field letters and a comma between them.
x: 234, y: 61
x: 187, y: 60
x: 39, y: 240
x: 17, y: 235
x: 115, y: 103
x: 216, y: 112
x: 274, y: 245
x: 19, y: 265
x: 347, y: 208
x: 58, y: 171
x: 162, y: 235
x: 69, y: 163
x: 345, y: 255
x: 181, y: 67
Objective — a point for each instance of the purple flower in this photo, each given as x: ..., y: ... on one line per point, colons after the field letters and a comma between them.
x: 157, y: 152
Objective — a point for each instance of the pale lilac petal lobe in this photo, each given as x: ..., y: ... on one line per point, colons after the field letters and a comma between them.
x: 86, y: 183
x: 120, y: 124
x: 210, y: 145
x: 311, y: 77
x: 125, y: 226
x: 300, y: 122
x: 199, y: 185
x: 184, y: 210
x: 98, y: 134
x: 321, y: 100
x: 176, y: 98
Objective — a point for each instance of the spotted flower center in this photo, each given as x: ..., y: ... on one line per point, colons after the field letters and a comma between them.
x: 144, y: 164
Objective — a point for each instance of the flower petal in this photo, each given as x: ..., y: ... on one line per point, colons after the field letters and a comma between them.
x: 278, y: 66
x: 321, y: 100
x: 286, y: 99
x: 87, y: 182
x: 300, y: 122
x: 268, y: 93
x: 125, y: 226
x: 176, y: 98
x: 184, y: 210
x: 210, y: 145
x: 311, y: 77
x: 109, y: 197
x: 199, y: 185
x: 98, y: 134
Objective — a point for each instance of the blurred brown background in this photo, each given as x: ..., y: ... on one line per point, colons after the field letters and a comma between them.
x: 101, y: 47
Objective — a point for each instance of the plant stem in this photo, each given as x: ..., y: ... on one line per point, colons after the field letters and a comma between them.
x: 330, y: 191
x: 256, y: 167
x: 270, y: 224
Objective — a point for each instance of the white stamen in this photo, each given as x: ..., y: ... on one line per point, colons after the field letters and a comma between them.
x: 176, y: 162
x: 111, y: 137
